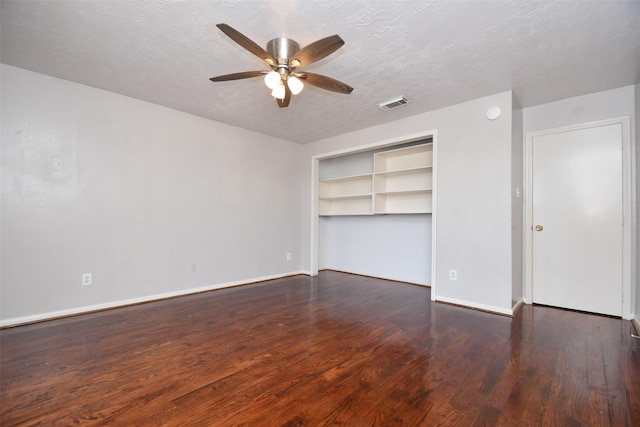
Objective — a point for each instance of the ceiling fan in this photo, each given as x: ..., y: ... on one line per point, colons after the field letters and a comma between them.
x: 284, y: 56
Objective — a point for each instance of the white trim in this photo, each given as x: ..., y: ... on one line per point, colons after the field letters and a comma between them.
x: 15, y: 321
x: 483, y: 307
x: 313, y: 250
x: 636, y: 325
x: 434, y: 215
x: 380, y: 144
x: 517, y: 306
x: 627, y: 237
x: 315, y: 166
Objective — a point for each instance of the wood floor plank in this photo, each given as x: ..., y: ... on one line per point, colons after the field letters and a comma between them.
x: 337, y: 349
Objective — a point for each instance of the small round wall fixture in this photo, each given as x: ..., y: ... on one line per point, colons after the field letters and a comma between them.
x: 493, y: 113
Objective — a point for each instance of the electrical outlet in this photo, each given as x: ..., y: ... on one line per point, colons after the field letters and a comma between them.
x: 194, y: 268
x: 288, y: 256
x: 86, y: 279
x: 453, y: 274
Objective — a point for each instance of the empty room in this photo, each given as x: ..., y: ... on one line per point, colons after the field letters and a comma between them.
x: 319, y: 212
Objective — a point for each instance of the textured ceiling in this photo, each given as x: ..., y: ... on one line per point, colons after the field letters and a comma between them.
x: 436, y: 53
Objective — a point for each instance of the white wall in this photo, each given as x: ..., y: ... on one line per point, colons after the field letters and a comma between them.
x: 583, y: 109
x: 134, y: 193
x: 473, y: 223
x: 636, y: 309
x: 394, y: 247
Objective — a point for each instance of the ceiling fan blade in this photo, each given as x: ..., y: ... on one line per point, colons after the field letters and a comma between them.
x: 287, y: 97
x: 237, y: 76
x: 325, y: 82
x: 246, y: 43
x: 316, y: 51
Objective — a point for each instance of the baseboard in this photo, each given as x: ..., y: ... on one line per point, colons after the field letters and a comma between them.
x: 517, y: 306
x: 22, y: 320
x: 475, y: 306
x: 636, y: 324
x: 393, y: 279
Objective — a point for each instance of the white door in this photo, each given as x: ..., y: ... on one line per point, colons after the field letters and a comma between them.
x: 577, y: 211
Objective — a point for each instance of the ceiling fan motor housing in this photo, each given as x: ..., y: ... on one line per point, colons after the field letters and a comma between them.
x: 282, y: 49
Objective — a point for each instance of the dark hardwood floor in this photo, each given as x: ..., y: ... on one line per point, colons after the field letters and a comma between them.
x: 337, y: 349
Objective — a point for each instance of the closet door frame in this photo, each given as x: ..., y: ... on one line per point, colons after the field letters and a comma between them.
x: 315, y: 168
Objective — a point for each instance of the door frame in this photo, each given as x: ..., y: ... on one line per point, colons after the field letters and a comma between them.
x: 627, y: 223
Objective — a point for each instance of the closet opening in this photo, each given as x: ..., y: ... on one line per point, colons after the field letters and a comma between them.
x: 374, y: 210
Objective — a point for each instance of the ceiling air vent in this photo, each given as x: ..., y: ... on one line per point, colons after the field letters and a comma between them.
x: 393, y: 103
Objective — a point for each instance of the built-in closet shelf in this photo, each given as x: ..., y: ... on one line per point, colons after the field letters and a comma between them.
x: 400, y: 183
x: 404, y: 171
x: 402, y: 159
x: 403, y: 202
x: 348, y: 205
x: 350, y: 196
x: 349, y: 186
x: 412, y: 179
x: 400, y: 192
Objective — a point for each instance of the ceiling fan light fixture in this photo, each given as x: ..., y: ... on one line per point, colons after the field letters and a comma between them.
x: 278, y: 92
x: 284, y: 56
x: 272, y: 79
x: 295, y: 84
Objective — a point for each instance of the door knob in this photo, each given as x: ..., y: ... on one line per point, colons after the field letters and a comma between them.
x: 538, y: 228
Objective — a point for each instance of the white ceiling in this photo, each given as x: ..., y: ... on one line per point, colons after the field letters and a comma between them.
x: 436, y: 53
